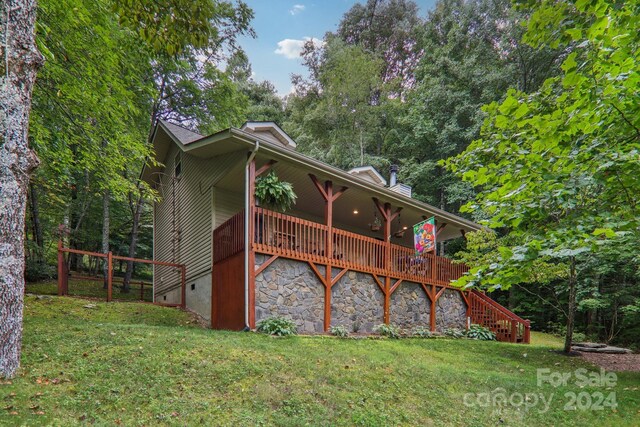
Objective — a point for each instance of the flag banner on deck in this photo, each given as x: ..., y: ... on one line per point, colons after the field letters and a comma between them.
x: 424, y: 236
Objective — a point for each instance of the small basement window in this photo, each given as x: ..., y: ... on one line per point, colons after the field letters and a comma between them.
x: 193, y: 286
x: 177, y: 165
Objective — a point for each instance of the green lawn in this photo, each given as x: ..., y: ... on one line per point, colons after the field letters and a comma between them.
x: 139, y: 364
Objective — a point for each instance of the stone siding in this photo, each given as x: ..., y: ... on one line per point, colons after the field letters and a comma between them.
x: 410, y: 307
x: 451, y: 311
x: 290, y: 289
x: 357, y: 302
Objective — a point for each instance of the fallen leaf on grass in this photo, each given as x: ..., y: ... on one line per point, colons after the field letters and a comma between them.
x: 39, y: 413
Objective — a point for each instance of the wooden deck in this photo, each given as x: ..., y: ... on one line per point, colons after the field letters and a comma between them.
x: 286, y: 236
x: 295, y: 238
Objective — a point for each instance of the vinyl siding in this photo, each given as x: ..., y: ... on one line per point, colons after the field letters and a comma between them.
x: 192, y: 212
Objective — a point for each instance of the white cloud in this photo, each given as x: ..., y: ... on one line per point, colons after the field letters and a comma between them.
x: 292, y: 48
x: 297, y: 8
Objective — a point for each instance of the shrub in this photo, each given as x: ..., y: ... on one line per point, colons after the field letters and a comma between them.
x: 38, y: 270
x: 339, y: 331
x: 277, y: 325
x: 477, y: 332
x: 454, y: 333
x: 422, y: 332
x: 390, y: 331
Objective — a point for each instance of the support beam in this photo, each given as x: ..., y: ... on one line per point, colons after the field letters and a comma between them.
x: 440, y: 229
x: 432, y: 313
x: 265, y: 265
x: 395, y: 286
x: 378, y: 282
x: 265, y: 167
x: 338, y: 276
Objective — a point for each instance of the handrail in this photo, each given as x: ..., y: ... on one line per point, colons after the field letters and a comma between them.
x: 282, y: 234
x: 500, y: 307
x: 505, y: 324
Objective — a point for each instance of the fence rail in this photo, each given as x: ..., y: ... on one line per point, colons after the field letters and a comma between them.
x: 64, y: 272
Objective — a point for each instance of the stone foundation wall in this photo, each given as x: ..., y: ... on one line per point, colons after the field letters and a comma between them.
x: 410, y: 306
x: 291, y: 289
x: 357, y: 302
x: 451, y: 311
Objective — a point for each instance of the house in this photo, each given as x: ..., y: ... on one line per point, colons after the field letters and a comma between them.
x: 322, y: 263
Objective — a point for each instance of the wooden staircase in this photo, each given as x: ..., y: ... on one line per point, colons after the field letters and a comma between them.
x: 507, y: 326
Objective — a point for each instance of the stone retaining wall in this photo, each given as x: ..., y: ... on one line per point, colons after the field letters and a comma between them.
x: 410, y: 307
x: 291, y: 289
x: 451, y: 311
x: 357, y: 302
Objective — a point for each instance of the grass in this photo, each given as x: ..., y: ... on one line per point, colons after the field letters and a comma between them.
x: 92, y: 289
x: 139, y: 364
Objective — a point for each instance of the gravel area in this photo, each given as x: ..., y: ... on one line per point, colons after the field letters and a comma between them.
x: 614, y: 362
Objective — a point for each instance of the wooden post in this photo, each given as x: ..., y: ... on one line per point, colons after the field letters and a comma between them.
x: 109, y: 276
x: 514, y: 331
x: 60, y: 269
x: 432, y: 313
x: 328, y: 217
x: 141, y: 290
x: 251, y: 254
x: 183, y: 278
x: 527, y: 331
x: 329, y: 197
x: 385, y: 212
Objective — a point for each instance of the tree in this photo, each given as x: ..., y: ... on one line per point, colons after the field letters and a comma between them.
x: 555, y: 167
x: 20, y: 64
x: 472, y: 55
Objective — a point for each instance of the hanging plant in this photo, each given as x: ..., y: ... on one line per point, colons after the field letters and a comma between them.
x: 376, y: 224
x: 274, y: 194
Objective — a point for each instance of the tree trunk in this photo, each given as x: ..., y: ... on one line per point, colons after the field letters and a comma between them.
x: 20, y: 62
x: 134, y: 243
x: 571, y: 312
x: 105, y: 233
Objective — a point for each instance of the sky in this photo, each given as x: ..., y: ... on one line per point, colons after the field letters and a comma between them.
x: 281, y: 28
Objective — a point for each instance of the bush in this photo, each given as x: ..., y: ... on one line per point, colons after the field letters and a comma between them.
x: 277, y: 325
x: 339, y: 331
x: 389, y: 331
x: 36, y: 271
x: 477, y: 332
x: 454, y: 333
x: 422, y: 332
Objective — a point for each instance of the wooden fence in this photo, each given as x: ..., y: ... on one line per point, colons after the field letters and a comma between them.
x: 63, y: 272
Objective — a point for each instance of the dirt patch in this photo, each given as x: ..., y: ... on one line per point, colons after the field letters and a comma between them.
x: 614, y: 362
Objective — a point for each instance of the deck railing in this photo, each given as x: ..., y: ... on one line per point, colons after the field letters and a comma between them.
x: 286, y: 235
x: 228, y: 238
x: 506, y: 325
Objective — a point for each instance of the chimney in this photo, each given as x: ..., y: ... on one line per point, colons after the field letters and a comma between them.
x: 393, y: 175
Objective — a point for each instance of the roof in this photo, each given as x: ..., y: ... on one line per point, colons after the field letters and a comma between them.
x: 371, y: 172
x: 272, y: 129
x: 233, y: 139
x: 182, y: 134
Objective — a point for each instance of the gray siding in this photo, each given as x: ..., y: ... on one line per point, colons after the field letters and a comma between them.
x: 188, y: 202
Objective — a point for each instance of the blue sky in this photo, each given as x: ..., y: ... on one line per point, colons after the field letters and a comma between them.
x: 282, y: 26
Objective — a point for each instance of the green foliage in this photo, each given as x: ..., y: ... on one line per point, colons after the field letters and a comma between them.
x: 173, y: 26
x: 454, y: 333
x: 273, y: 193
x: 555, y: 167
x: 276, y: 325
x: 339, y: 331
x: 478, y: 332
x: 422, y: 332
x: 389, y: 331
